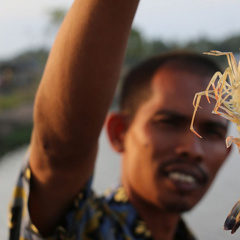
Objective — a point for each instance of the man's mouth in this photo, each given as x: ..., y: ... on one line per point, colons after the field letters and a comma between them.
x: 182, y: 182
x: 182, y: 177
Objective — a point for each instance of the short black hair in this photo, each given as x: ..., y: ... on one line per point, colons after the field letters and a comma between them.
x: 136, y: 84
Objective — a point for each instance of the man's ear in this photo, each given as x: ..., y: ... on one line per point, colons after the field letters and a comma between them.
x: 116, y: 125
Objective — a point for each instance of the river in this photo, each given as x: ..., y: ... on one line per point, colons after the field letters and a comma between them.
x: 206, y: 220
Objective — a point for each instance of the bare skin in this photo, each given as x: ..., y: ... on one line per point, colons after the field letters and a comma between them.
x: 157, y: 143
x: 71, y: 105
x: 83, y: 67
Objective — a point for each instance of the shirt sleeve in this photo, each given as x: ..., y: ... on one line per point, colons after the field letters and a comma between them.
x: 20, y: 224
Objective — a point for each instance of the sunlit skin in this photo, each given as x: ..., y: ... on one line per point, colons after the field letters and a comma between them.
x: 158, y: 141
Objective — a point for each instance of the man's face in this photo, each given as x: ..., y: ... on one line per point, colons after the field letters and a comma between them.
x: 164, y: 163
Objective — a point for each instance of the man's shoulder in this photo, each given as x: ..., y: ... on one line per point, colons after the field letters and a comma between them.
x: 108, y: 216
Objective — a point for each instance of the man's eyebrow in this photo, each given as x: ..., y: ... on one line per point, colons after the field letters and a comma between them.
x: 171, y: 113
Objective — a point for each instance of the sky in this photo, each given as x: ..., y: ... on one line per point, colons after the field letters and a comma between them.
x: 24, y: 23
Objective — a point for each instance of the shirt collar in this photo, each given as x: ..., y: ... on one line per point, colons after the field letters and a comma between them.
x: 119, y: 202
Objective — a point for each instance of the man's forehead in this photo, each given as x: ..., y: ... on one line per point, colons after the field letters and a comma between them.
x: 179, y: 82
x: 181, y: 73
x: 190, y: 66
x: 176, y: 89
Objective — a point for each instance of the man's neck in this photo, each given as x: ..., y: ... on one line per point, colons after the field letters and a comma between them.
x: 162, y: 224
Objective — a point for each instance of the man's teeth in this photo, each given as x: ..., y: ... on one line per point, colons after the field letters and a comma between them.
x: 182, y: 177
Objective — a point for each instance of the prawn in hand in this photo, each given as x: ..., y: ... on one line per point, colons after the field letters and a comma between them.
x: 225, y: 89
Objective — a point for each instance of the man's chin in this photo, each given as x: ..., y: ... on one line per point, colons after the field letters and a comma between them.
x: 178, y: 207
x: 181, y: 208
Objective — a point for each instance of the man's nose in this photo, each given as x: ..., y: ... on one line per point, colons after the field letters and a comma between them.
x: 190, y: 145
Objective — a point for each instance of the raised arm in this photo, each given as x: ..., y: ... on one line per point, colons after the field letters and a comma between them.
x: 72, y: 101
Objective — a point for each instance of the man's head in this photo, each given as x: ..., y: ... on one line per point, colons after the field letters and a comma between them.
x: 163, y: 163
x: 136, y: 86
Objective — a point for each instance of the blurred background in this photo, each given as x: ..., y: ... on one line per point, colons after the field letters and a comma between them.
x: 27, y: 32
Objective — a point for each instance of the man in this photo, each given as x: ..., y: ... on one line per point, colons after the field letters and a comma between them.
x: 166, y: 169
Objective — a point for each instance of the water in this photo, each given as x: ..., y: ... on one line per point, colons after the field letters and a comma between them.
x: 206, y: 220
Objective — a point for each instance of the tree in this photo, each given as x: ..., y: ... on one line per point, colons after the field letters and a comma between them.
x: 55, y: 18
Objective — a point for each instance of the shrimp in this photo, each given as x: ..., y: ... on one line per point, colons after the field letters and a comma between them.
x: 225, y: 89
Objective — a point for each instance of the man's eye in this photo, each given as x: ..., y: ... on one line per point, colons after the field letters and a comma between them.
x: 166, y: 122
x: 169, y: 121
x: 161, y: 120
x: 215, y: 133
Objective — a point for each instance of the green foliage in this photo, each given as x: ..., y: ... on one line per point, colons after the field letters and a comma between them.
x: 140, y: 48
x: 231, y: 44
x: 136, y: 49
x: 55, y: 18
x: 20, y: 135
x: 17, y: 98
x: 37, y: 55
